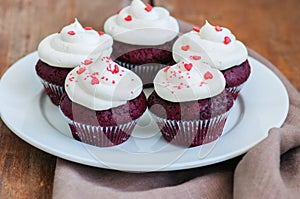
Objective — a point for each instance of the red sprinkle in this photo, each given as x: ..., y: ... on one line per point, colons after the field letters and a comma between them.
x: 208, y: 75
x: 128, y: 18
x: 188, y: 66
x: 185, y: 48
x: 113, y: 82
x: 88, y: 28
x: 87, y: 62
x: 100, y: 33
x: 218, y: 28
x: 148, y: 7
x: 167, y: 68
x: 58, y: 32
x: 118, y: 12
x: 71, y: 32
x: 197, y: 29
x: 195, y: 57
x: 80, y: 70
x: 113, y: 70
x: 227, y: 40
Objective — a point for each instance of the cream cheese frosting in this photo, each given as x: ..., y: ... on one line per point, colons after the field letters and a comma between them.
x: 141, y: 24
x: 102, y: 84
x: 215, y: 44
x: 187, y: 81
x: 73, y: 44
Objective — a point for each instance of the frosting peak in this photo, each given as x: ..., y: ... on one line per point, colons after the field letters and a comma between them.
x: 187, y: 81
x: 141, y: 24
x: 73, y: 44
x: 102, y: 84
x: 216, y: 45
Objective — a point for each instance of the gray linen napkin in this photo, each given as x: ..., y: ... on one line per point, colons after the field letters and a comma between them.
x: 269, y: 170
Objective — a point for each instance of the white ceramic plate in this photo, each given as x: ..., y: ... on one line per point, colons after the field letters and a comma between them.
x: 27, y: 111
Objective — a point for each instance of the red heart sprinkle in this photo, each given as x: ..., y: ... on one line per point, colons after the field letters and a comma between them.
x: 71, y: 32
x: 167, y: 68
x: 88, y: 28
x: 128, y: 18
x: 100, y: 33
x: 188, y: 66
x: 195, y: 57
x: 227, y: 40
x: 185, y: 48
x: 95, y: 80
x: 80, y: 70
x: 118, y: 12
x: 148, y: 7
x: 87, y: 62
x: 113, y: 70
x: 197, y: 29
x: 218, y: 28
x: 208, y: 75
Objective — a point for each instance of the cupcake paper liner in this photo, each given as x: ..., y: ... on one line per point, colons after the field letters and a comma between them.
x: 146, y: 72
x: 101, y: 136
x: 54, y: 91
x: 235, y: 90
x: 191, y: 133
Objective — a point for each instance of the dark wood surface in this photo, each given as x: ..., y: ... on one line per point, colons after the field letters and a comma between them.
x: 270, y: 27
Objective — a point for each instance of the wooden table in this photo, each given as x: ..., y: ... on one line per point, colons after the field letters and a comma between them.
x: 269, y: 27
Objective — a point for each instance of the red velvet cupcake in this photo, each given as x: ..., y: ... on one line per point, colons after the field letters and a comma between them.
x: 218, y: 47
x: 190, y: 103
x: 102, y: 102
x: 60, y: 52
x: 143, y: 38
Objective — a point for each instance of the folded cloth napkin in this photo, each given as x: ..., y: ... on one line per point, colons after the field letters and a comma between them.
x: 269, y: 170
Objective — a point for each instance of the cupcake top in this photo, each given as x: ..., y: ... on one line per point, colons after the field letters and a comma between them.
x: 187, y: 81
x: 102, y: 84
x: 73, y: 44
x: 141, y: 24
x: 215, y: 44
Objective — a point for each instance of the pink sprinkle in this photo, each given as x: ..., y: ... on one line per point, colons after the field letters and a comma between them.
x: 195, y: 57
x: 106, y: 79
x: 148, y: 8
x: 102, y: 77
x: 172, y: 92
x: 67, y: 85
x: 185, y: 48
x: 131, y: 92
x: 208, y: 75
x: 189, y: 77
x: 167, y: 68
x: 80, y: 70
x: 87, y: 62
x: 113, y: 82
x: 218, y: 28
x: 132, y: 79
x: 95, y: 81
x: 121, y: 75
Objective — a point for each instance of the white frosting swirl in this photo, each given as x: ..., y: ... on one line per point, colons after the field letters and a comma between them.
x: 187, y: 81
x: 73, y: 44
x: 102, y: 84
x: 216, y: 45
x: 140, y: 24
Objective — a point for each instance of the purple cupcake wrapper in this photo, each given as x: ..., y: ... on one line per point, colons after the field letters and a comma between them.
x: 235, y: 90
x: 146, y: 72
x: 54, y: 91
x: 101, y: 136
x: 191, y: 133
